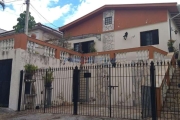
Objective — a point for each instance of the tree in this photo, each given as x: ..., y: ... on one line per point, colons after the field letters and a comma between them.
x: 2, y: 4
x: 21, y: 22
x: 62, y: 42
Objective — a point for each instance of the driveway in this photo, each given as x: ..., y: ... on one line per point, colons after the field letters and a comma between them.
x: 8, y: 114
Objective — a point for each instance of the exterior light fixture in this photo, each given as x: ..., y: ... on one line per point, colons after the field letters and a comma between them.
x: 125, y: 36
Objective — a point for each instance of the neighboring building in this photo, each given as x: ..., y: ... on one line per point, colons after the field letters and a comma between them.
x: 1, y: 30
x: 114, y: 27
x: 41, y: 32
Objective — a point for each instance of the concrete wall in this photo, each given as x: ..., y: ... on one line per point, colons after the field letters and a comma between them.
x: 20, y: 59
x: 127, y: 80
x: 62, y: 78
x: 124, y: 94
x: 133, y: 39
x: 41, y: 35
x: 15, y: 77
x: 115, y: 40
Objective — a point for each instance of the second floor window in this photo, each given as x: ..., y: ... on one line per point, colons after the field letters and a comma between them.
x: 108, y: 20
x: 149, y: 38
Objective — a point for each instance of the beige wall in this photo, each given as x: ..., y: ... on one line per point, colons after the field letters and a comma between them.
x: 133, y: 39
x: 15, y: 75
x: 41, y: 35
x: 62, y: 83
x: 20, y: 59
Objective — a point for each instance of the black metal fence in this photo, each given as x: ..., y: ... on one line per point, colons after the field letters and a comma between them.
x: 137, y: 90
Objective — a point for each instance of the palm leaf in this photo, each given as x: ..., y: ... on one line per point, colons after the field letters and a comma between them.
x: 2, y: 4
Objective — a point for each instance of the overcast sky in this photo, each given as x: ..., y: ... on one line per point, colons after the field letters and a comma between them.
x: 57, y: 12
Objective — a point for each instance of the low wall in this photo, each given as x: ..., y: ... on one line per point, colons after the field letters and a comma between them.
x: 20, y: 59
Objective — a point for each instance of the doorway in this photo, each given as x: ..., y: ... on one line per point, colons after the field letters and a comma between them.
x: 5, y: 80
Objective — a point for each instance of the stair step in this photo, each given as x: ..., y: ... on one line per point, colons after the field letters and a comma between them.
x: 171, y: 104
x: 174, y: 84
x: 170, y: 115
x: 173, y: 91
x: 173, y: 87
x: 171, y: 109
x: 173, y: 98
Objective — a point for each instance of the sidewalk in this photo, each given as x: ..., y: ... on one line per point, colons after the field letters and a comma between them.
x: 8, y: 114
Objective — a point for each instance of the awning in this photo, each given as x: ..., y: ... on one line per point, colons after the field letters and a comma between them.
x: 176, y: 19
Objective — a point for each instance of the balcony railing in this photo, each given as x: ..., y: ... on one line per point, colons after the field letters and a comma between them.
x: 46, y: 49
x: 126, y: 55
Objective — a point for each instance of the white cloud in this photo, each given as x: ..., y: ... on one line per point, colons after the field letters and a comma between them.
x: 10, y: 16
x: 52, y: 11
x: 86, y: 6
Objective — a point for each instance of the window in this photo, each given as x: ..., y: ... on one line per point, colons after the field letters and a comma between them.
x: 108, y: 20
x: 149, y: 38
x: 76, y: 47
x: 84, y: 47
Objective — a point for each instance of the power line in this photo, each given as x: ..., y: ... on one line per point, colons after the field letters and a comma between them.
x: 43, y: 16
x: 12, y: 1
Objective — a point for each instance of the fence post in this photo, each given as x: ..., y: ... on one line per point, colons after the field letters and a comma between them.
x: 20, y: 90
x: 153, y: 93
x: 45, y: 93
x: 76, y: 73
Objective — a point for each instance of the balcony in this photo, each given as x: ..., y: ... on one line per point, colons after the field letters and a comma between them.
x: 46, y: 49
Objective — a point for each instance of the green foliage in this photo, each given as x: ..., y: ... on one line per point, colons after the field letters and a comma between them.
x: 48, y: 78
x: 19, y: 28
x: 170, y: 43
x: 2, y: 4
x: 30, y: 68
x: 92, y: 48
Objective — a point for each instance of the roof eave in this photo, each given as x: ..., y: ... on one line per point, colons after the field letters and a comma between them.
x: 122, y: 6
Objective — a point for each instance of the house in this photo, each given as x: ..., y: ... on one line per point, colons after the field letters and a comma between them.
x: 123, y: 34
x: 1, y: 30
x: 40, y: 31
x: 113, y: 27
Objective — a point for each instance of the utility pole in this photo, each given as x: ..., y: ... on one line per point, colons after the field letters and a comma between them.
x: 27, y: 17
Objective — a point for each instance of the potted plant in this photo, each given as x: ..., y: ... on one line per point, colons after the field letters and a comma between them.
x: 30, y: 70
x: 170, y: 45
x: 178, y: 62
x: 48, y: 78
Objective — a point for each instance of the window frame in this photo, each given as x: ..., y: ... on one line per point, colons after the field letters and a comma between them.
x: 155, y: 37
x: 108, y: 20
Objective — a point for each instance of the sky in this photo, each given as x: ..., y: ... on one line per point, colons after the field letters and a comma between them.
x: 56, y: 13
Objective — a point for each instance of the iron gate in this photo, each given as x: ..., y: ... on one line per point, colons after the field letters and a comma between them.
x: 94, y: 90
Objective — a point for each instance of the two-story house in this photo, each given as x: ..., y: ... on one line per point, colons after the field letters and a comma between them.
x: 113, y: 27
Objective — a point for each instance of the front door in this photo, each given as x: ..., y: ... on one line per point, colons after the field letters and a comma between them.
x: 5, y: 79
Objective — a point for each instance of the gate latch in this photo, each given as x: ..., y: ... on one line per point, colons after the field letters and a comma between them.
x: 112, y: 86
